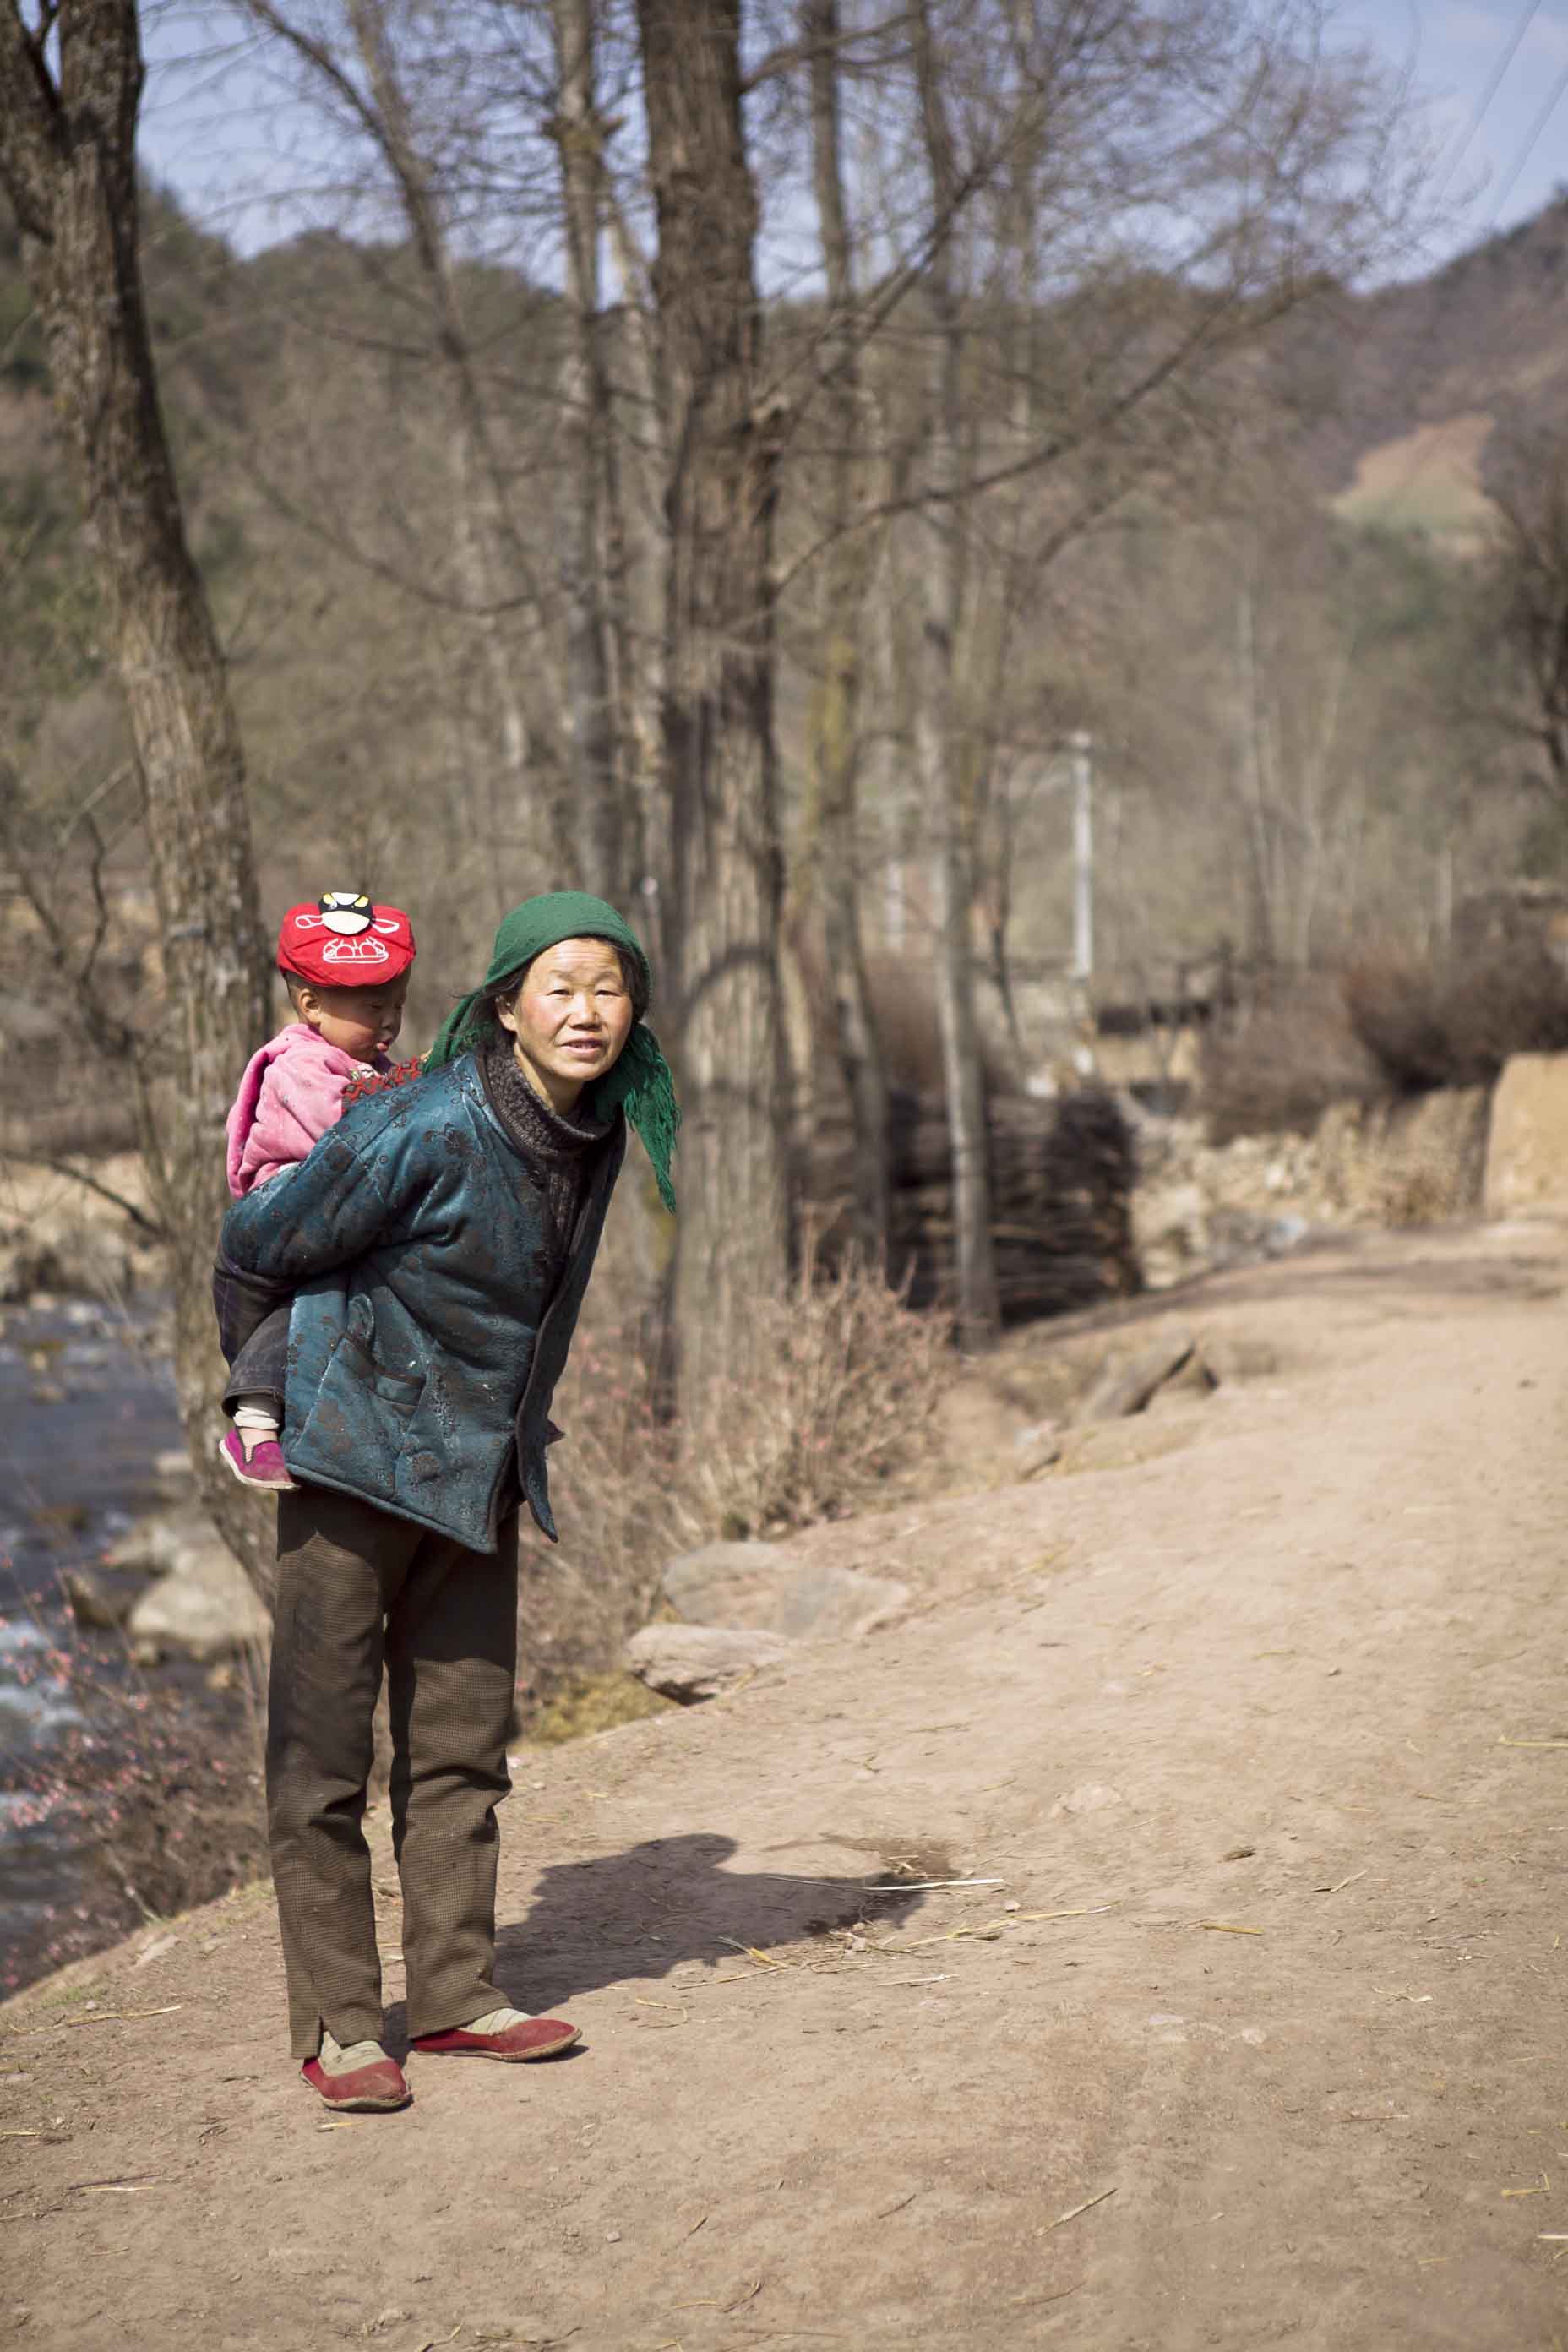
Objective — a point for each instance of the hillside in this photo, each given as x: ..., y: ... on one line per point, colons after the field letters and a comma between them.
x: 313, y: 427
x: 1424, y: 372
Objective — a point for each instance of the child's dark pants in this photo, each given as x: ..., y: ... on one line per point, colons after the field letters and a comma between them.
x: 253, y: 1332
x: 358, y: 1588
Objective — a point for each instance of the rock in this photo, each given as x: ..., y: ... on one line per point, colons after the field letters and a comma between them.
x: 155, y: 1544
x: 92, y: 1603
x: 722, y: 1569
x: 696, y: 1662
x: 1172, y: 1217
x: 1035, y: 1449
x: 1527, y: 1150
x: 1230, y: 1356
x: 173, y: 1468
x: 757, y: 1586
x: 1124, y: 1445
x: 835, y: 1604
x: 203, y: 1604
x: 1126, y: 1387
x: 1197, y: 1377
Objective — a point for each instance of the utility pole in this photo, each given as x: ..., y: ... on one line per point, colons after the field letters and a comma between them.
x: 1081, y: 746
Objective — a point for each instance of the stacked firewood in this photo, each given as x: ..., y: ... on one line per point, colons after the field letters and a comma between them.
x: 1061, y: 1176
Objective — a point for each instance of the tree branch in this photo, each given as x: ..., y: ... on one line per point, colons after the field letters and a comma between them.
x: 151, y: 1226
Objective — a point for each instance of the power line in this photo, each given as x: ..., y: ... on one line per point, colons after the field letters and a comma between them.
x: 1521, y: 159
x: 1477, y: 112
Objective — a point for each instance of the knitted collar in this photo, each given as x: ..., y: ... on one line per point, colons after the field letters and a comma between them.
x: 533, y: 1124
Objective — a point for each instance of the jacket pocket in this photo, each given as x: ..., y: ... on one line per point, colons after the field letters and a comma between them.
x: 401, y: 1391
x: 358, y: 1426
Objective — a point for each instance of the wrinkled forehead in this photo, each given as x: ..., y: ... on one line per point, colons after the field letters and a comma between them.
x: 576, y: 960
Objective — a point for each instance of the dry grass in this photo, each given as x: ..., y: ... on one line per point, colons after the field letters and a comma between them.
x: 848, y: 1379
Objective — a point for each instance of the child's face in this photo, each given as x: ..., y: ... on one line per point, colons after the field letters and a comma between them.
x: 361, y: 1022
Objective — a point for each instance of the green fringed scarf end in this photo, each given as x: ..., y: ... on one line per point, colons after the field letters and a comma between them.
x: 641, y: 1085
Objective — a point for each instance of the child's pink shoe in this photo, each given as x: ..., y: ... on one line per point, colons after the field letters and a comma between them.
x: 266, y: 1466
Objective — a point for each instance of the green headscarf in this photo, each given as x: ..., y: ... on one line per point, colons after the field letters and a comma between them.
x: 639, y: 1082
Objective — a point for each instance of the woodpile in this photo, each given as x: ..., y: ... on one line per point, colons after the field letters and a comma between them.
x: 1061, y: 1183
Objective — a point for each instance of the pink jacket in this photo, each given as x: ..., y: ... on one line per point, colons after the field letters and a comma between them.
x: 292, y: 1091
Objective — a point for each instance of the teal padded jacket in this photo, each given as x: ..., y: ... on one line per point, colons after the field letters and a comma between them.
x: 423, y: 1349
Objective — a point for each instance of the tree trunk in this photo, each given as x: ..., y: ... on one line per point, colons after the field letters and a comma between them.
x: 68, y: 163
x: 942, y: 524
x: 594, y: 770
x: 835, y: 749
x: 719, y: 783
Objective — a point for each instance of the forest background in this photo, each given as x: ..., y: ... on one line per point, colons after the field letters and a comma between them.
x: 510, y: 529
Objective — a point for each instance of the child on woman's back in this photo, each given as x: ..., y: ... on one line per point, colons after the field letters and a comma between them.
x: 346, y: 964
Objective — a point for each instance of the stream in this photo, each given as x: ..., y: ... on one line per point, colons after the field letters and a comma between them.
x: 123, y: 1791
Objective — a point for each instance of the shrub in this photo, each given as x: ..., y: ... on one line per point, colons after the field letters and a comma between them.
x: 1280, y: 1061
x: 1455, y: 1021
x: 850, y: 1376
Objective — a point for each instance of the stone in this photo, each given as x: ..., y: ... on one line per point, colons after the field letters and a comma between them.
x: 1197, y: 1377
x: 688, y: 1663
x: 202, y: 1606
x: 1125, y: 1445
x: 1172, y: 1217
x: 1035, y: 1449
x: 1231, y: 1356
x: 1126, y: 1387
x: 1527, y: 1148
x: 92, y: 1603
x: 835, y: 1604
x: 154, y: 1544
x: 759, y: 1586
x: 722, y: 1569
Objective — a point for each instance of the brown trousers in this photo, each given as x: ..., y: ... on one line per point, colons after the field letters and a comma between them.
x: 359, y: 1591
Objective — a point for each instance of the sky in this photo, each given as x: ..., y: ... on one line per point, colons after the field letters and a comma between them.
x: 1491, y: 76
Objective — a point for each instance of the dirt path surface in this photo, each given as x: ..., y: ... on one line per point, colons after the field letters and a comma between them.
x: 1266, y: 1738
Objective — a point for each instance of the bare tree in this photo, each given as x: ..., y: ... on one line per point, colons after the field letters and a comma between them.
x: 68, y: 163
x: 835, y: 749
x: 940, y: 747
x: 589, y: 435
x: 719, y: 779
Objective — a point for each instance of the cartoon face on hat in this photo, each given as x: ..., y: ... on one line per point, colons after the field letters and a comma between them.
x: 343, y: 940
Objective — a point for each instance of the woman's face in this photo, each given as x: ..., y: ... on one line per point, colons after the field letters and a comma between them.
x: 569, y: 1019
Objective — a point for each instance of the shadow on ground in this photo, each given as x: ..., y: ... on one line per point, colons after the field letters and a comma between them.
x: 654, y: 1907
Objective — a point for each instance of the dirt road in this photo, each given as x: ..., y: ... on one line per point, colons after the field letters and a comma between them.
x: 1266, y: 1738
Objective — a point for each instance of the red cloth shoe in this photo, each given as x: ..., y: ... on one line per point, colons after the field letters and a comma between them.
x: 367, y: 2090
x: 265, y: 1467
x: 531, y: 2037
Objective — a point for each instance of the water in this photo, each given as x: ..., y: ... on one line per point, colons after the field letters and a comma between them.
x: 86, y: 1407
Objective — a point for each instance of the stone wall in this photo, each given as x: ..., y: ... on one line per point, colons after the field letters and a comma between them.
x: 1527, y: 1151
x: 1200, y: 1205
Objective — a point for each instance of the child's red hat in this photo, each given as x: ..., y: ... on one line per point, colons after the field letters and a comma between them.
x: 342, y: 941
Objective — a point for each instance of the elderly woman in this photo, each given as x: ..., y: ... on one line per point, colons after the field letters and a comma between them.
x: 439, y: 1242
